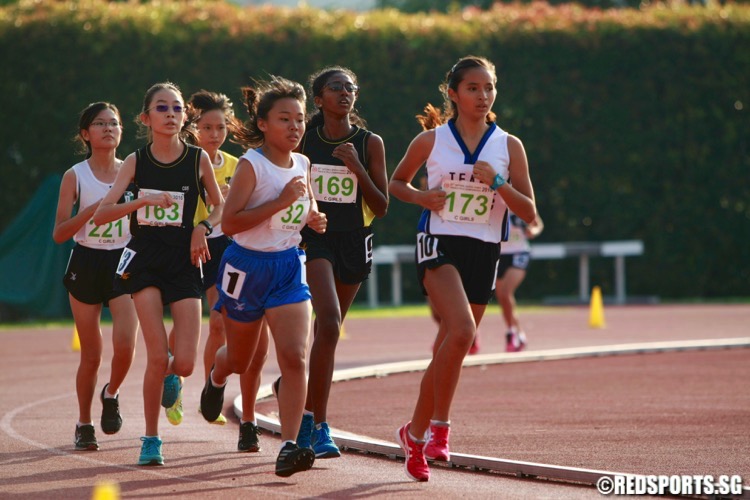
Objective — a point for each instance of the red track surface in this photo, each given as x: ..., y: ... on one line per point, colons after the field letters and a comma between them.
x: 671, y: 413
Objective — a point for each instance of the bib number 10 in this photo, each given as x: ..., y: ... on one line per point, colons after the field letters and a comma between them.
x: 426, y: 247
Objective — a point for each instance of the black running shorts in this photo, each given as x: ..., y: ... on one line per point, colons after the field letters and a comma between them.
x: 88, y: 277
x: 349, y: 252
x: 475, y: 261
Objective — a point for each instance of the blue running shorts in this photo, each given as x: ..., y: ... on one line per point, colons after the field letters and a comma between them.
x: 249, y: 282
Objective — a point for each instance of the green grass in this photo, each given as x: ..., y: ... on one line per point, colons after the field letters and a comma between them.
x: 363, y: 311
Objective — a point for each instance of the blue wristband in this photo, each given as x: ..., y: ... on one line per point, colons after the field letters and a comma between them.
x: 499, y: 181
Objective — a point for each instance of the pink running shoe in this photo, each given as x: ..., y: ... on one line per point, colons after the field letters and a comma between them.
x: 475, y: 345
x: 521, y: 341
x: 436, y: 447
x: 511, y: 342
x: 415, y: 464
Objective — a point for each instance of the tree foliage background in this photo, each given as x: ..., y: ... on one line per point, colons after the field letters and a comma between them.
x: 635, y: 121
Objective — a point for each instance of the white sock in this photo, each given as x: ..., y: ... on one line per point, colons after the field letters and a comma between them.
x: 283, y: 443
x: 308, y: 412
x: 213, y: 382
x: 411, y: 436
x: 255, y: 422
x: 109, y: 395
x: 79, y: 424
x: 440, y: 422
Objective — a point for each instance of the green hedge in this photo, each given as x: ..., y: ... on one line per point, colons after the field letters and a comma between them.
x: 635, y: 122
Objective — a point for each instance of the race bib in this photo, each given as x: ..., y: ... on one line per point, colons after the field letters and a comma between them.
x: 292, y: 218
x: 157, y: 216
x: 232, y: 281
x: 125, y: 259
x: 115, y: 233
x: 516, y: 234
x: 426, y: 247
x: 466, y: 201
x: 333, y: 183
x: 368, y: 248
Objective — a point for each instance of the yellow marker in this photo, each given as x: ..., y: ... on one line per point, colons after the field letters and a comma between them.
x: 343, y: 336
x: 76, y: 344
x: 106, y: 490
x: 596, y: 317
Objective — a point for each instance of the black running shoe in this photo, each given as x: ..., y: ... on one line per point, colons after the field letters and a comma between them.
x: 111, y: 419
x: 85, y: 438
x: 293, y: 459
x: 212, y: 400
x: 248, y: 442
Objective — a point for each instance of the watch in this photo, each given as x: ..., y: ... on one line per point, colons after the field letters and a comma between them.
x: 208, y: 226
x: 499, y: 181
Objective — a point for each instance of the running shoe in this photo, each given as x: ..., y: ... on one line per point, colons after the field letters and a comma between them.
x: 322, y: 443
x: 510, y: 342
x: 172, y: 390
x: 521, y: 341
x: 174, y: 413
x: 293, y: 459
x: 248, y: 442
x: 111, y: 420
x: 305, y: 434
x: 212, y: 400
x: 151, y: 451
x: 415, y: 464
x: 436, y: 447
x: 85, y: 438
x: 474, y: 349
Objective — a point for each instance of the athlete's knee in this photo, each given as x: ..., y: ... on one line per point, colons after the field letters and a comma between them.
x: 216, y: 327
x: 183, y: 367
x: 292, y: 359
x: 328, y: 322
x: 91, y: 359
x: 463, y: 333
x: 123, y: 344
x: 258, y: 361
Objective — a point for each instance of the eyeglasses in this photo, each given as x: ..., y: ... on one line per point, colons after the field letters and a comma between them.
x: 101, y: 124
x: 339, y: 86
x: 163, y: 108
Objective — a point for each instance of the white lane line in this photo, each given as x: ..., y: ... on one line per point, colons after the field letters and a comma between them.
x: 480, y: 463
x: 6, y: 425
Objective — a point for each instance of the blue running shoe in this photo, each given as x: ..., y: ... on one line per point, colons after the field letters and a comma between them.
x: 151, y: 451
x: 305, y: 434
x: 323, y: 444
x: 172, y: 389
